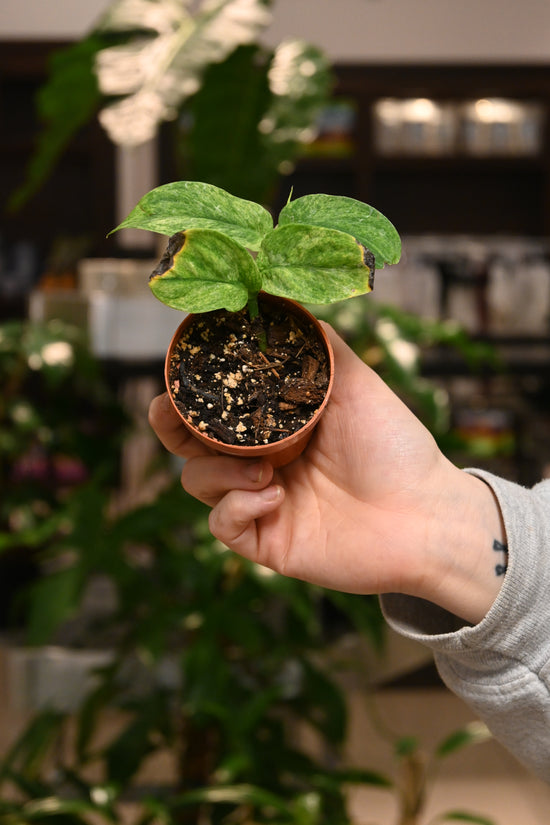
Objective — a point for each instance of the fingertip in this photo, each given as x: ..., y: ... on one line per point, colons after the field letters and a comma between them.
x: 169, y: 428
x: 271, y: 495
x: 159, y: 408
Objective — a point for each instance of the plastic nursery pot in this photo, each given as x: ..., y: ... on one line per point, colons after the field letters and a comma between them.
x: 287, y: 448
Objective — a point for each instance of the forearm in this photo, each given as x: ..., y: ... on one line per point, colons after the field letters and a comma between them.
x: 499, y: 665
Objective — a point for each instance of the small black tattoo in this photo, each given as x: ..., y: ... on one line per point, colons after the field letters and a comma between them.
x: 499, y: 547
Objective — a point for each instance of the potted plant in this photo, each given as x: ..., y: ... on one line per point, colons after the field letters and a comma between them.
x: 250, y: 370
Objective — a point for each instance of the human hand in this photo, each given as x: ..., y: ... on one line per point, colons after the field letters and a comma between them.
x: 371, y: 506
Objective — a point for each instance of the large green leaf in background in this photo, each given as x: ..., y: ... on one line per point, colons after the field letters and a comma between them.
x: 264, y: 105
x: 135, y: 68
x: 148, y: 78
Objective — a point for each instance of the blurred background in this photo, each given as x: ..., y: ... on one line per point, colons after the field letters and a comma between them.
x: 147, y: 675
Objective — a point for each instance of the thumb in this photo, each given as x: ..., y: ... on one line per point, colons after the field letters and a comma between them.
x: 234, y: 519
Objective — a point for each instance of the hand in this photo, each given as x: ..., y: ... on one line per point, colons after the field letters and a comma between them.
x: 371, y: 506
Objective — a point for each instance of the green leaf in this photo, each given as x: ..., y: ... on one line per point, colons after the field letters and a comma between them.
x: 359, y: 776
x: 313, y: 264
x: 179, y: 47
x: 54, y: 807
x: 233, y: 795
x: 472, y: 734
x: 321, y: 702
x: 125, y: 755
x: 203, y: 270
x: 263, y: 104
x: 365, y: 223
x: 183, y: 205
x: 406, y: 746
x: 65, y: 103
x: 29, y: 751
x: 231, y: 101
x: 464, y: 816
x: 54, y: 599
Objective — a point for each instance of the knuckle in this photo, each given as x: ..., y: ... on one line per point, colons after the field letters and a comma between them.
x: 189, y: 480
x: 215, y: 525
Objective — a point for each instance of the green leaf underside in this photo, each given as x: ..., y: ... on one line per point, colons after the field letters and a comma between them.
x: 182, y: 205
x: 313, y: 264
x: 210, y: 271
x: 464, y: 816
x: 364, y: 222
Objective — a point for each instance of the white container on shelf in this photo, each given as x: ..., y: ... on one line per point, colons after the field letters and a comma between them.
x: 114, y: 304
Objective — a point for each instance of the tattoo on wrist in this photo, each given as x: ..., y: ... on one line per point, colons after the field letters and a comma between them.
x: 499, y: 547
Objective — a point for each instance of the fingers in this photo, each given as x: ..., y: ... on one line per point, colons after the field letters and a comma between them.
x: 209, y: 478
x: 234, y: 519
x: 167, y: 425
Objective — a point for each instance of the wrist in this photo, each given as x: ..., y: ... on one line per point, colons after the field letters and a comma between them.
x: 465, y: 551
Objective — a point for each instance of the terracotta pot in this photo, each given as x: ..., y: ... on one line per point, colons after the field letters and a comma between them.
x: 279, y: 453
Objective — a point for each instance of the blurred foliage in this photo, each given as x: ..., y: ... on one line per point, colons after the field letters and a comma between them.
x: 263, y: 131
x: 199, y: 69
x: 214, y: 662
x: 393, y: 342
x: 61, y: 430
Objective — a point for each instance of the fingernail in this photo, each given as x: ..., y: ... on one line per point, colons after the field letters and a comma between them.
x: 254, y: 471
x: 271, y: 494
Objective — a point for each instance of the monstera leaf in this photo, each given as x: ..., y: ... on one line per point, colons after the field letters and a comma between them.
x: 151, y: 56
x: 162, y: 65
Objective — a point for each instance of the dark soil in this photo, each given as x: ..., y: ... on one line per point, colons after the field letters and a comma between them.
x: 231, y: 390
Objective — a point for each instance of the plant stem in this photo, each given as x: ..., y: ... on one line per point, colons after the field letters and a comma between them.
x: 254, y: 312
x: 413, y: 786
x: 253, y: 309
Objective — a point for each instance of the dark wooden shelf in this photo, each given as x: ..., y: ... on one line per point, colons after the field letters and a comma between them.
x: 460, y: 161
x: 515, y: 355
x: 457, y: 192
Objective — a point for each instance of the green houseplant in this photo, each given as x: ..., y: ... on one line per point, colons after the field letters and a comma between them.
x: 324, y: 249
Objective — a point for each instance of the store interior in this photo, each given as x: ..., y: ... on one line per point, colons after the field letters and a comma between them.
x: 452, y: 143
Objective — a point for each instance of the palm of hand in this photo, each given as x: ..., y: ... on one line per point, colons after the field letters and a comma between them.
x: 366, y: 473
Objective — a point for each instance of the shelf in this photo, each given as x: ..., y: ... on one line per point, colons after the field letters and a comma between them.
x: 328, y: 163
x: 500, y: 164
x: 516, y: 355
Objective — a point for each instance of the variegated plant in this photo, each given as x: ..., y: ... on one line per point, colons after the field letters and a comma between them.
x: 156, y: 70
x: 325, y: 248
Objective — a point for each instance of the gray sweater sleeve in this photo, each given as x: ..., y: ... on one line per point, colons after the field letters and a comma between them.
x: 501, y: 666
